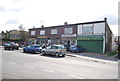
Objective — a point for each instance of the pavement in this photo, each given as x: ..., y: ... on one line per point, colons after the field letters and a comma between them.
x: 93, y: 57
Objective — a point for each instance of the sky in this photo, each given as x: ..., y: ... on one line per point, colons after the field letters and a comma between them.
x: 31, y: 13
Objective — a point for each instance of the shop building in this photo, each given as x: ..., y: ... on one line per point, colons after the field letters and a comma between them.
x: 63, y: 34
x: 95, y: 36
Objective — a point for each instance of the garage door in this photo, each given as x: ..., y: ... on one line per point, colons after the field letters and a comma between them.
x: 92, y: 45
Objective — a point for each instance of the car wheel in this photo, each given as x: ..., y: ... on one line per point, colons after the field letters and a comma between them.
x: 24, y: 50
x: 33, y: 52
x: 57, y: 54
x: 77, y: 51
x: 17, y: 48
x: 4, y: 48
x: 11, y: 48
x: 43, y: 52
x: 63, y: 55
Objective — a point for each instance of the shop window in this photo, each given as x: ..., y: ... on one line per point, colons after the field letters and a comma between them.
x: 68, y: 30
x: 54, y: 31
x: 32, y: 32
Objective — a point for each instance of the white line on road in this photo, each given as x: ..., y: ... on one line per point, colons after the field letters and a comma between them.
x: 29, y: 66
x: 12, y: 62
x: 49, y: 70
x: 75, y: 76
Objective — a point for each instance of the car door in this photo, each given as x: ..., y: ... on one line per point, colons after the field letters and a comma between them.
x: 53, y: 50
x: 29, y: 48
x: 47, y: 50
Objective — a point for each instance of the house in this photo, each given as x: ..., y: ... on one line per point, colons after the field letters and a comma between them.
x: 95, y: 36
x: 14, y: 36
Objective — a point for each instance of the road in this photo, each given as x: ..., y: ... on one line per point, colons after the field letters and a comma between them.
x: 18, y: 65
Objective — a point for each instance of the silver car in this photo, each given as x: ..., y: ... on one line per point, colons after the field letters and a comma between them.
x: 58, y: 50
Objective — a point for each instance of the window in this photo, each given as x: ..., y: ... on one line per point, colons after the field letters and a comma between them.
x: 68, y: 31
x: 87, y: 29
x: 32, y: 32
x: 42, y: 32
x: 54, y: 47
x: 54, y: 31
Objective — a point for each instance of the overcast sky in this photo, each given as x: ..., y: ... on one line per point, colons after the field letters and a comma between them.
x: 55, y: 12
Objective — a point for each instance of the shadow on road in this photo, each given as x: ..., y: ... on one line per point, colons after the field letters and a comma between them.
x: 52, y: 56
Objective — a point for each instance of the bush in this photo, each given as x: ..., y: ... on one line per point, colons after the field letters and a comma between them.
x: 113, y: 53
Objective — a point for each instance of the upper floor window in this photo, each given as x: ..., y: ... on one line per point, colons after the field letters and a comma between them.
x: 42, y: 32
x: 68, y: 31
x: 54, y: 31
x: 87, y: 29
x: 32, y: 32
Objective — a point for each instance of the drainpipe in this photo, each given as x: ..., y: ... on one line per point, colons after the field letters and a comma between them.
x: 105, y: 19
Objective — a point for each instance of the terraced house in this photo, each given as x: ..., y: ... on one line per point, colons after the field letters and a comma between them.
x: 95, y: 36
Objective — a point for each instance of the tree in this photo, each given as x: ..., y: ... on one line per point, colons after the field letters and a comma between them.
x: 23, y: 33
x: 2, y: 31
x: 21, y: 27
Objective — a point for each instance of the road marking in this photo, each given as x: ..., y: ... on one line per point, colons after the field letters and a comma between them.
x: 29, y: 66
x: 12, y: 62
x: 75, y: 76
x: 49, y: 71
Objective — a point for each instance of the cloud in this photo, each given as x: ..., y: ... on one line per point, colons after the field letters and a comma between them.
x: 12, y: 21
x: 112, y: 19
x: 2, y: 9
x: 16, y: 9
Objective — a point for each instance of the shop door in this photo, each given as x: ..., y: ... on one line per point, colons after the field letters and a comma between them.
x: 92, y: 45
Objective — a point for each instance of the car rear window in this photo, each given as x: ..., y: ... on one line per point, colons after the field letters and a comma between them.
x: 62, y: 47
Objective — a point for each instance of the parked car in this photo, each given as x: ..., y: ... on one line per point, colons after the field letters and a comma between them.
x: 32, y: 49
x: 11, y: 46
x: 77, y: 48
x: 57, y: 50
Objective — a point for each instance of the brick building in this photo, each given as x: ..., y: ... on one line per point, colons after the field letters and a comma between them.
x: 95, y: 36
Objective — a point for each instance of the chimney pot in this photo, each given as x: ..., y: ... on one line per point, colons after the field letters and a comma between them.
x: 65, y: 23
x: 42, y: 26
x: 105, y: 19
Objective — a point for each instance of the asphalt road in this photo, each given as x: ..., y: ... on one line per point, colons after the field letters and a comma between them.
x: 18, y: 65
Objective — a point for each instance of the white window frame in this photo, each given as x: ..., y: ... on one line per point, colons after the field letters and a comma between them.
x: 68, y: 30
x: 88, y: 29
x: 32, y: 32
x: 42, y: 32
x: 53, y: 31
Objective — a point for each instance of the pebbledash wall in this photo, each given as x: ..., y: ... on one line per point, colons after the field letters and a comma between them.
x: 95, y: 36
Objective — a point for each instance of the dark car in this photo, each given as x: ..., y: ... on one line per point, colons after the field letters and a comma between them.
x: 11, y: 46
x: 77, y: 48
x: 32, y: 49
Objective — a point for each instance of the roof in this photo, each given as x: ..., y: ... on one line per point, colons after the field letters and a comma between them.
x: 68, y: 25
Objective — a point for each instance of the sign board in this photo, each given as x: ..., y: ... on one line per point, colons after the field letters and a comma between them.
x: 68, y: 35
x: 42, y: 37
x: 90, y: 37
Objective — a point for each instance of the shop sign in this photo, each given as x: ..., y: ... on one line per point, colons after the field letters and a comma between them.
x: 90, y: 37
x: 42, y: 37
x: 68, y: 35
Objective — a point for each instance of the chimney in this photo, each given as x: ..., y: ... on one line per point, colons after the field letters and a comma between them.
x: 105, y: 19
x: 42, y: 26
x: 65, y: 23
